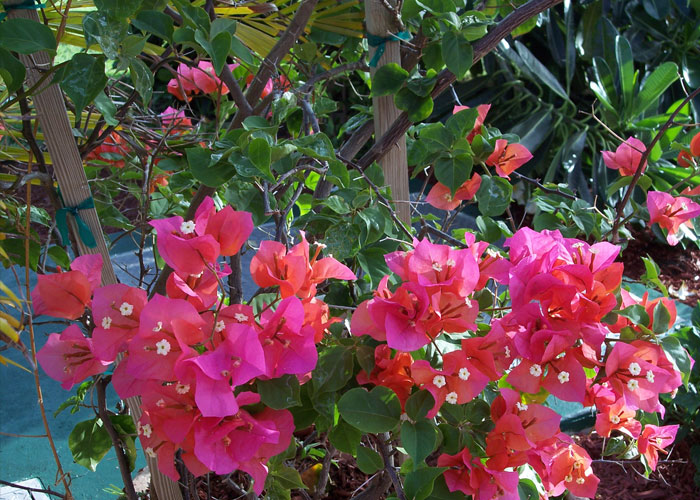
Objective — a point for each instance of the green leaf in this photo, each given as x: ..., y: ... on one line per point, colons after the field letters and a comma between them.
x: 219, y: 49
x: 89, y: 442
x: 345, y: 437
x: 196, y: 17
x: 436, y: 137
x: 655, y: 85
x: 372, y: 262
x: 418, y: 108
x: 461, y: 123
x: 368, y: 460
x: 59, y: 256
x: 457, y: 53
x: 259, y: 154
x: 120, y: 9
x: 419, y: 483
x: 84, y: 79
x: 26, y: 36
x: 334, y: 369
x: 316, y: 146
x: 419, y: 404
x: 636, y: 313
x: 494, y: 195
x: 418, y: 439
x: 604, y: 86
x: 680, y: 358
x: 105, y: 106
x: 280, y: 393
x: 242, y: 52
x: 156, y: 23
x: 375, y: 411
x: 142, y: 77
x: 453, y: 172
x: 527, y: 490
x: 12, y: 71
x: 388, y: 80
x: 540, y: 71
x: 442, y: 492
x: 423, y: 85
x: 212, y: 175
x: 625, y: 68
x: 288, y: 478
x: 662, y: 318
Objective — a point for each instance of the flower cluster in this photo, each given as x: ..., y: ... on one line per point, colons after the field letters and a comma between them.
x: 192, y: 359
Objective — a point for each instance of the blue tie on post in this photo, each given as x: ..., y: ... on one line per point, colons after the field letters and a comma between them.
x: 380, y: 43
x: 84, y: 231
x: 25, y: 5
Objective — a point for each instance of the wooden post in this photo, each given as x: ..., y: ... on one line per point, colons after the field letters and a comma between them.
x: 381, y: 22
x: 70, y: 174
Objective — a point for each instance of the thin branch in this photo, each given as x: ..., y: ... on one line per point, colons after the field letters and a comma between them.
x: 544, y: 189
x: 235, y: 90
x: 643, y: 160
x: 332, y: 73
x: 35, y: 490
x: 323, y: 476
x: 384, y: 446
x: 441, y: 234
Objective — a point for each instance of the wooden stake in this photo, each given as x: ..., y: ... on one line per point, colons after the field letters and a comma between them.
x: 382, y: 22
x: 68, y: 168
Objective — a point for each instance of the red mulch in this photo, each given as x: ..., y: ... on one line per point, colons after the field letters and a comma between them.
x: 673, y: 480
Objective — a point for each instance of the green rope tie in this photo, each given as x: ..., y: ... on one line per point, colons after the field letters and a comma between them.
x: 84, y: 231
x: 25, y: 5
x: 380, y: 43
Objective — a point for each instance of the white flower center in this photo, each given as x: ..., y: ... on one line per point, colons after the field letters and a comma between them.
x: 220, y: 326
x: 437, y: 267
x: 149, y: 451
x: 535, y: 370
x: 163, y: 347
x: 106, y: 322
x: 464, y: 374
x: 650, y: 376
x: 146, y: 430
x: 439, y: 381
x: 160, y: 403
x: 659, y: 442
x: 635, y: 369
x: 521, y: 406
x: 633, y: 385
x: 182, y: 388
x: 240, y: 317
x: 569, y: 478
x: 507, y: 352
x: 451, y: 398
x: 563, y: 377
x: 126, y: 309
x: 187, y: 227
x: 158, y: 327
x: 580, y: 480
x: 450, y: 263
x: 614, y: 419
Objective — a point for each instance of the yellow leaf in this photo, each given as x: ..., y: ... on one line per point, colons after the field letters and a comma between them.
x: 5, y: 361
x: 14, y: 322
x: 9, y: 294
x: 8, y: 330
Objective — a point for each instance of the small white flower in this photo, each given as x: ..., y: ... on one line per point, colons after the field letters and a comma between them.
x: 468, y: 302
x: 464, y: 374
x: 633, y: 385
x: 569, y: 478
x: 659, y: 442
x: 650, y: 376
x: 146, y: 430
x: 521, y: 406
x: 561, y: 355
x: 450, y: 263
x: 614, y: 419
x: 126, y: 309
x: 492, y: 253
x: 150, y: 452
x: 158, y: 327
x: 181, y: 388
x: 635, y: 369
x: 563, y: 377
x: 451, y: 398
x: 535, y: 370
x: 437, y: 267
x: 580, y: 480
x: 240, y: 317
x: 220, y: 326
x: 439, y: 381
x: 577, y: 245
x: 684, y: 206
x: 187, y: 227
x: 507, y: 352
x: 163, y: 347
x: 160, y: 403
x: 106, y: 322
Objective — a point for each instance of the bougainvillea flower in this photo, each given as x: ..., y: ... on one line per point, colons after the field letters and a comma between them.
x: 653, y: 440
x: 441, y: 197
x: 684, y: 159
x: 671, y: 212
x: 113, y: 150
x: 508, y: 157
x: 181, y: 248
x: 230, y: 228
x: 640, y: 371
x: 115, y: 310
x: 294, y: 272
x: 468, y: 475
x: 200, y: 290
x: 570, y: 469
x: 175, y: 120
x: 628, y: 299
x: 394, y: 373
x: 171, y: 409
x: 66, y: 294
x: 318, y: 316
x: 288, y: 344
x: 68, y: 357
x: 617, y: 416
x: 482, y: 111
x: 626, y: 157
x: 193, y: 80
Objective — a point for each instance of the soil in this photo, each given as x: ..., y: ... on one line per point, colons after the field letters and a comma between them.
x: 624, y: 479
